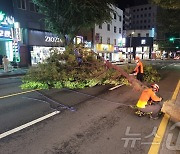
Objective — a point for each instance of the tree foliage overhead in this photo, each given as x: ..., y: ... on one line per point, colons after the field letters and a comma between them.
x: 170, y: 4
x: 168, y: 20
x: 67, y: 17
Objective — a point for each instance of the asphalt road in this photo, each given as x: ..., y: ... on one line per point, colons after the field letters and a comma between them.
x: 99, y: 124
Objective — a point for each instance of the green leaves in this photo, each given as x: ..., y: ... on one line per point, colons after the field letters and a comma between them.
x: 67, y: 17
x: 171, y: 4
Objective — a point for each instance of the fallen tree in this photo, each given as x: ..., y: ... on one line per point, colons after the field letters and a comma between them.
x: 66, y: 70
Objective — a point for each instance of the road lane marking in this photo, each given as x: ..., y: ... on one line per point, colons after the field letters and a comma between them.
x: 12, y: 131
x: 154, y: 149
x: 15, y: 94
x: 163, y: 67
x: 116, y: 87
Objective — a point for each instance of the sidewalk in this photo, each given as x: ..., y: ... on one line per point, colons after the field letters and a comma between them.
x: 14, y: 72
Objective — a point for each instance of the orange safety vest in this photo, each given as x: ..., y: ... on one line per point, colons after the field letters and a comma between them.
x: 139, y: 67
x: 145, y: 96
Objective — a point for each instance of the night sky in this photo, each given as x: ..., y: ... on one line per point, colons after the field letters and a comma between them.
x: 127, y: 3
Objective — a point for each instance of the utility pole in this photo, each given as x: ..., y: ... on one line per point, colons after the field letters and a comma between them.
x: 130, y: 46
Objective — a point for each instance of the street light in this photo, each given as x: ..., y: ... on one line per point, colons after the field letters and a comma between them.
x: 131, y: 45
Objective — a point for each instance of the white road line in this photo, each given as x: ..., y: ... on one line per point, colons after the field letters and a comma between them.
x: 28, y: 124
x: 163, y: 67
x: 11, y: 77
x: 116, y: 87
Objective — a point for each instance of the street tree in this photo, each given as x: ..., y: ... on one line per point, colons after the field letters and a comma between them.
x: 169, y: 4
x: 68, y: 17
x: 168, y: 17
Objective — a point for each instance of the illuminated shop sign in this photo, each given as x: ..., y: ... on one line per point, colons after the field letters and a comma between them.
x: 104, y: 48
x: 17, y: 32
x: 87, y: 44
x: 143, y: 41
x: 6, y: 33
x: 6, y: 20
x: 39, y: 38
x: 52, y: 39
x: 78, y: 40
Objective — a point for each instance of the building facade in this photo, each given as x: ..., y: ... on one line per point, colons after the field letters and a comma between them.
x: 142, y: 17
x: 30, y: 41
x: 140, y: 24
x: 108, y: 37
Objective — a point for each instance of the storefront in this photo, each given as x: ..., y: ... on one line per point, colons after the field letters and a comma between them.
x: 105, y: 50
x: 41, y: 44
x: 140, y: 46
x: 10, y: 36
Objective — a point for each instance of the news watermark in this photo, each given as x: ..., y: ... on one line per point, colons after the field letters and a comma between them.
x: 131, y: 139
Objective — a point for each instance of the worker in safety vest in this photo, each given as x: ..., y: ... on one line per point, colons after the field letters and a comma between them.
x: 138, y: 69
x: 148, y: 96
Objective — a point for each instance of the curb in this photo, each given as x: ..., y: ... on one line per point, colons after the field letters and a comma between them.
x: 158, y: 139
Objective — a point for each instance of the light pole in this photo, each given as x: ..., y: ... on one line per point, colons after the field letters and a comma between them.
x: 130, y: 46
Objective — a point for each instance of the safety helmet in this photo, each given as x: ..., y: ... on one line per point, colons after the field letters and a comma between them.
x: 155, y: 87
x: 137, y: 58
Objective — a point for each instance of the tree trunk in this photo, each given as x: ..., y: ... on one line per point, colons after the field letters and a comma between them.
x: 137, y: 85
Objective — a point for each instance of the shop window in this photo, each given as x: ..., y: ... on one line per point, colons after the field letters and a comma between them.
x: 114, y: 15
x: 21, y: 4
x: 119, y: 30
x: 114, y: 29
x: 33, y: 7
x: 120, y: 18
x: 114, y: 41
x: 100, y: 39
x: 108, y: 27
